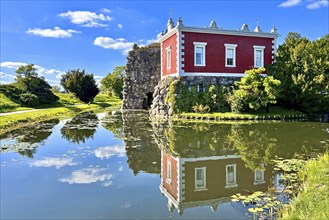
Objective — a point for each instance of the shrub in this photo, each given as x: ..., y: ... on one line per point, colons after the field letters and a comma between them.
x: 253, y: 91
x: 29, y: 99
x: 201, y: 109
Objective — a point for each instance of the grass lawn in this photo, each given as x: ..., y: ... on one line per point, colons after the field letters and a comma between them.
x: 313, y: 201
x: 14, y: 121
x: 275, y: 113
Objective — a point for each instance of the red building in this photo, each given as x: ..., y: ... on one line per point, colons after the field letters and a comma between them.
x: 213, y: 51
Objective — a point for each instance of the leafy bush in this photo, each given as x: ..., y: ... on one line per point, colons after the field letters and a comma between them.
x: 28, y: 81
x: 82, y: 84
x: 253, y: 91
x: 113, y: 82
x: 29, y: 99
x: 201, y: 109
x: 183, y: 99
x: 11, y: 91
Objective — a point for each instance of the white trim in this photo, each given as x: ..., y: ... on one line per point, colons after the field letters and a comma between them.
x: 209, y: 158
x: 161, y: 60
x: 230, y: 185
x: 200, y: 43
x: 204, y: 186
x: 203, y: 46
x: 216, y: 74
x: 259, y: 48
x: 218, y: 31
x: 168, y: 174
x: 168, y: 55
x: 262, y: 180
x: 231, y: 47
x: 179, y: 180
x: 173, y: 74
x: 177, y: 51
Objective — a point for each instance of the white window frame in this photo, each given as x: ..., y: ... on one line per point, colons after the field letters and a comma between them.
x: 168, y: 179
x: 232, y: 47
x: 203, y: 46
x: 259, y: 48
x: 262, y: 180
x: 199, y: 188
x: 203, y: 89
x: 230, y: 185
x: 168, y: 55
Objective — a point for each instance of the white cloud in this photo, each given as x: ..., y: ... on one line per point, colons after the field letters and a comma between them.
x: 115, y: 44
x: 317, y: 4
x: 105, y: 10
x: 40, y: 70
x: 289, y: 3
x: 89, y: 175
x: 110, y: 151
x: 154, y: 40
x: 310, y: 4
x: 54, y: 162
x: 54, y: 33
x: 120, y: 26
x: 6, y: 78
x: 86, y: 18
x: 120, y: 168
x: 12, y: 65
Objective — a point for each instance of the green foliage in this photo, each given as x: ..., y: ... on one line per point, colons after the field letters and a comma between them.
x: 29, y: 99
x: 113, y: 82
x: 82, y: 84
x: 56, y: 89
x: 68, y: 99
x: 201, y: 109
x: 253, y: 91
x: 302, y: 67
x: 28, y: 81
x: 183, y: 99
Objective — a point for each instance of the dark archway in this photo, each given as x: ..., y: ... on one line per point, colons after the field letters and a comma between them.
x: 148, y: 100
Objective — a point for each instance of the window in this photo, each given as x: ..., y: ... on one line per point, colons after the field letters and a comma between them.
x: 200, y: 178
x: 231, y: 176
x: 168, y: 180
x: 259, y: 56
x: 200, y: 88
x: 259, y: 176
x: 230, y: 58
x: 168, y: 58
x: 199, y: 53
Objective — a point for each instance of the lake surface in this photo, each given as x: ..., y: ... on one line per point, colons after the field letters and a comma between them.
x: 119, y: 166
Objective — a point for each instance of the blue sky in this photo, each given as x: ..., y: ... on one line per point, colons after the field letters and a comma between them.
x: 61, y: 35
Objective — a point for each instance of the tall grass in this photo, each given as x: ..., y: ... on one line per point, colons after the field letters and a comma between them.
x: 313, y: 201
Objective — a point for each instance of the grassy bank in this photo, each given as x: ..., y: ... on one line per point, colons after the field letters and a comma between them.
x: 14, y: 121
x: 313, y: 201
x: 276, y: 113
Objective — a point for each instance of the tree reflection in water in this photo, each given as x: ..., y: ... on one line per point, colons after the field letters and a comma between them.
x: 80, y: 128
x: 28, y: 139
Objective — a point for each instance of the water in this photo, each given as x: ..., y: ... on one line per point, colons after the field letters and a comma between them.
x: 122, y: 166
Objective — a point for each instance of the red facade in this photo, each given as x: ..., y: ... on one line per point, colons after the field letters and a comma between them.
x: 173, y: 184
x: 215, y: 52
x: 169, y: 44
x: 183, y: 40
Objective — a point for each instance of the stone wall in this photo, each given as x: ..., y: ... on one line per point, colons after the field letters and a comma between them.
x: 142, y: 75
x: 160, y: 108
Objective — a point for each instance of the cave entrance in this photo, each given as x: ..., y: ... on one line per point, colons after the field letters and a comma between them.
x: 148, y: 100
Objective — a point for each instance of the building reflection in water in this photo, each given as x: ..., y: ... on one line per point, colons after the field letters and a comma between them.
x: 207, y: 181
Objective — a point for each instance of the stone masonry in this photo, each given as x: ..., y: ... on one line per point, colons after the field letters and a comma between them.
x: 142, y: 75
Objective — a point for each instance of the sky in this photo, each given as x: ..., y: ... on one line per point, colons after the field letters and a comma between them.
x: 58, y: 36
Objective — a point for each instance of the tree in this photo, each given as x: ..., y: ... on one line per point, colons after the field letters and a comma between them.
x: 113, y: 82
x: 303, y: 68
x: 29, y: 81
x: 82, y: 84
x: 253, y: 91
